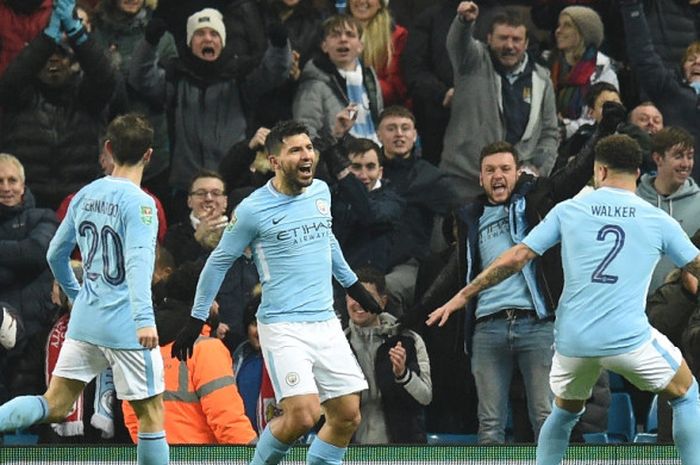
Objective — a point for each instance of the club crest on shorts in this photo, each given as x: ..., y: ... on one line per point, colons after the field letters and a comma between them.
x: 292, y: 378
x: 322, y: 206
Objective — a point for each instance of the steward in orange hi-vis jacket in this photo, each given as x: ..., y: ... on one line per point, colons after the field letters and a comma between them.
x: 202, y: 403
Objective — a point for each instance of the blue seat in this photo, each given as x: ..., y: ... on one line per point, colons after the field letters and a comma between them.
x: 621, y: 423
x: 20, y: 438
x: 645, y: 438
x: 617, y: 383
x: 595, y: 438
x: 652, y: 425
x: 450, y: 438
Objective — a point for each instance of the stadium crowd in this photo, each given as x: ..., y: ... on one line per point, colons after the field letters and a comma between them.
x: 445, y: 130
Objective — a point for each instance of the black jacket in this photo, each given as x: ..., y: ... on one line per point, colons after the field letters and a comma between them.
x: 55, y: 132
x: 25, y: 278
x: 365, y: 222
x: 428, y: 73
x: 427, y: 191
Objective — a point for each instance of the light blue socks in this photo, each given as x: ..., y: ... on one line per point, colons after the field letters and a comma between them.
x: 269, y: 450
x: 554, y: 435
x: 686, y: 425
x: 23, y: 411
x: 322, y: 453
x: 152, y: 449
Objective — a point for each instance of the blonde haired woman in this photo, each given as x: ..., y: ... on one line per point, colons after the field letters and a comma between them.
x: 383, y: 41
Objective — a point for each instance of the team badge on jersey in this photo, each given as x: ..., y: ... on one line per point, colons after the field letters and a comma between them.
x: 147, y: 215
x: 232, y: 223
x: 322, y: 206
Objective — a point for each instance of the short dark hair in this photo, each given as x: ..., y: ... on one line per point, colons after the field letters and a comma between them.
x: 509, y: 18
x: 337, y: 22
x: 669, y: 137
x: 361, y: 145
x: 280, y: 131
x: 598, y: 88
x: 498, y: 147
x: 204, y: 173
x: 130, y: 136
x: 371, y: 275
x: 620, y: 153
x: 398, y: 111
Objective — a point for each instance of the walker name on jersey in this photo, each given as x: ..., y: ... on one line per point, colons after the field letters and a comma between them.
x: 613, y: 211
x: 101, y: 206
x: 306, y: 232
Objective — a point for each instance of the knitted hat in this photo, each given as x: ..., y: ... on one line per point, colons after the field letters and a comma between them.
x: 587, y: 21
x: 208, y: 17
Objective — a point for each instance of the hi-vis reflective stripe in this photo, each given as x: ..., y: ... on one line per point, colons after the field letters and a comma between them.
x: 184, y: 395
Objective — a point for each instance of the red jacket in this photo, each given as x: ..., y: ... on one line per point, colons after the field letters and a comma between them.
x: 394, y: 89
x: 17, y: 30
x: 209, y: 409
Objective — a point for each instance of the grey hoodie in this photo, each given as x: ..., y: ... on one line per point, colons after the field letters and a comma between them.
x: 365, y: 342
x: 683, y: 205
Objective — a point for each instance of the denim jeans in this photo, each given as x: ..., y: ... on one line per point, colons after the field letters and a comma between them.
x: 499, y: 347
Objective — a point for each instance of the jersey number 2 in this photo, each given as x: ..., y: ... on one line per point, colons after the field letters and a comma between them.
x: 618, y: 233
x: 106, y: 235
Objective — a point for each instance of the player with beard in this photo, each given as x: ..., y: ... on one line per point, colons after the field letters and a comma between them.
x: 287, y: 223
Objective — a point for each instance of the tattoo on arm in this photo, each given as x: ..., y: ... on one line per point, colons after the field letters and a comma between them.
x: 492, y: 276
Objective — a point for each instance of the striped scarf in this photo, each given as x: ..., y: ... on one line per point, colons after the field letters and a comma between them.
x: 573, y: 82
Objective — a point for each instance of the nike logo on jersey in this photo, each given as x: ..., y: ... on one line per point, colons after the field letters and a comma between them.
x: 277, y: 220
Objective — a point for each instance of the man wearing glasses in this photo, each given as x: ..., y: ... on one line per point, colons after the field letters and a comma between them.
x: 199, y: 234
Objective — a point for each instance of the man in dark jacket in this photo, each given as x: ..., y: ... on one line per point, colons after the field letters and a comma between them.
x: 25, y: 279
x: 365, y: 208
x: 429, y: 76
x: 512, y: 325
x: 53, y: 114
x: 676, y: 92
x: 427, y: 191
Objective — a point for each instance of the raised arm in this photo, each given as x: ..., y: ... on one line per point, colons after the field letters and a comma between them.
x: 461, y: 45
x: 508, y: 263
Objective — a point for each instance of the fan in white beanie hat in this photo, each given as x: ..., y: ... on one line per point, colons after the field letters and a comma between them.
x: 208, y: 17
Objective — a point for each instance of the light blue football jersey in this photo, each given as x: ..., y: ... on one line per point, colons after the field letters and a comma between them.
x: 115, y: 225
x: 494, y: 239
x: 611, y: 241
x: 294, y: 250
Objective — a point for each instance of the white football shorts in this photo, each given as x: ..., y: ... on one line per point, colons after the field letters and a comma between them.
x: 138, y: 373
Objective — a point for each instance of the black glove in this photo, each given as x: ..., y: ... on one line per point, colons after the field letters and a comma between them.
x: 183, y: 347
x: 155, y: 29
x: 332, y: 152
x: 613, y: 114
x: 277, y: 33
x: 358, y: 292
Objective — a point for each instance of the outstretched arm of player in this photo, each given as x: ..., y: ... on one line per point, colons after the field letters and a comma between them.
x: 237, y: 236
x: 508, y: 263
